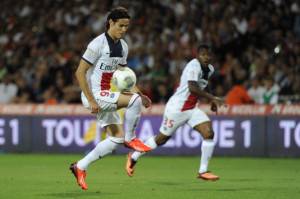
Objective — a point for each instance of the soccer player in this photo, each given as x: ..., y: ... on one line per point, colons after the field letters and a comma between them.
x: 181, y: 108
x: 102, y: 57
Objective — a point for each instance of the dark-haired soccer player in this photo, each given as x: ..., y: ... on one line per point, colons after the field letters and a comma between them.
x: 102, y: 57
x: 181, y: 108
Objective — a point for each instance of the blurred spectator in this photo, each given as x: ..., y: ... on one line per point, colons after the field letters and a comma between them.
x: 8, y: 90
x: 3, y: 70
x: 256, y: 91
x: 50, y: 96
x: 146, y: 88
x: 287, y: 83
x: 162, y: 93
x: 24, y: 94
x: 270, y: 95
x: 238, y: 94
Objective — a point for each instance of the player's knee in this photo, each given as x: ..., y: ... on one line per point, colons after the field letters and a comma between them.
x: 209, y: 134
x: 135, y: 100
x: 161, y: 139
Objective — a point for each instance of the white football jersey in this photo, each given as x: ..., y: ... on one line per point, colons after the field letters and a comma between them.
x: 183, y: 99
x: 105, y: 56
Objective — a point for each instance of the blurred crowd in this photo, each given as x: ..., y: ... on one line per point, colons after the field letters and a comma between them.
x: 256, y: 47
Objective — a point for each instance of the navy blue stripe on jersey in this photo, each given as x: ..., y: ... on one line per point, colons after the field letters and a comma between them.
x: 205, y: 70
x: 87, y: 61
x: 115, y: 48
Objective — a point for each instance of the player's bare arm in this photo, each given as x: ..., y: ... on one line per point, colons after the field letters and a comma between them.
x: 215, y: 101
x: 145, y: 99
x: 81, y: 77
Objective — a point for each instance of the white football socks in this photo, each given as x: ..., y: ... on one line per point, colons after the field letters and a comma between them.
x: 207, y: 149
x: 150, y: 142
x: 102, y: 149
x: 132, y: 115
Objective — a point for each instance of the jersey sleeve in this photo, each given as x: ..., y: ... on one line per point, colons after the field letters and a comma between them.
x: 123, y: 61
x: 92, y: 53
x: 193, y: 71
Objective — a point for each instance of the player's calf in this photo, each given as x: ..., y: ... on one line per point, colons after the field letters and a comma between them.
x: 208, y: 135
x: 206, y: 130
x: 161, y: 139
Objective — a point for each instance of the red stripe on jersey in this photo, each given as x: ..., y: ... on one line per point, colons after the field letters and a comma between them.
x: 105, y: 81
x: 190, y: 103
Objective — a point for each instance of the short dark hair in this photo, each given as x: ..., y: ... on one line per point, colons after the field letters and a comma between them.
x: 204, y: 46
x: 117, y: 13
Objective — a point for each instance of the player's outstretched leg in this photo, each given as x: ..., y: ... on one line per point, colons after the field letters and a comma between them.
x: 207, y: 149
x: 102, y: 149
x: 153, y: 143
x: 133, y: 114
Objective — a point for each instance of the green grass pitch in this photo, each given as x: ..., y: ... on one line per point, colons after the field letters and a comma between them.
x: 25, y: 176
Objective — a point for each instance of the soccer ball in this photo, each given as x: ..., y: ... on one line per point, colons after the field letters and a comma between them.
x: 124, y: 79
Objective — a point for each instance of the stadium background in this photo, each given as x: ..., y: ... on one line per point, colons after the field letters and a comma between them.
x: 39, y: 38
x: 41, y: 43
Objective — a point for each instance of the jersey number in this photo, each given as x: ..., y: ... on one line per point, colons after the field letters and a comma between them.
x: 168, y: 123
x: 104, y: 93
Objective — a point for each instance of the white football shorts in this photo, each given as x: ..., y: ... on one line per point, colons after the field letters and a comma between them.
x: 172, y: 119
x: 107, y: 101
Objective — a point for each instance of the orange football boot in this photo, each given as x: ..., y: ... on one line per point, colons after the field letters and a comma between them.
x: 130, y: 163
x: 208, y: 176
x: 80, y: 176
x: 137, y: 145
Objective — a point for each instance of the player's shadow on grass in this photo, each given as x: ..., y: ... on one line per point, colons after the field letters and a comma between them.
x: 77, y: 194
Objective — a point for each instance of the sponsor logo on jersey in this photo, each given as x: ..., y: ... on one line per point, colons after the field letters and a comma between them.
x: 104, y: 66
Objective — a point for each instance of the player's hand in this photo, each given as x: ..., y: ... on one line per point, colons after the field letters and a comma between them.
x: 216, y: 103
x: 94, y: 107
x: 146, y: 101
